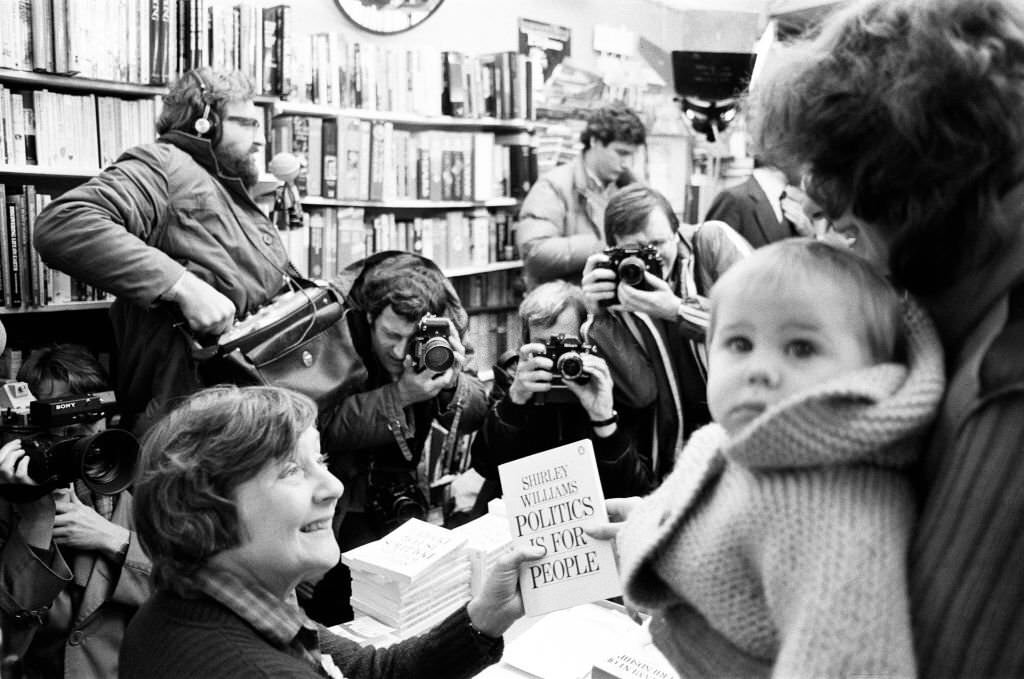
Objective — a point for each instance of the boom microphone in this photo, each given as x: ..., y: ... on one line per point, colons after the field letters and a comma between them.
x: 287, y: 203
x: 286, y: 167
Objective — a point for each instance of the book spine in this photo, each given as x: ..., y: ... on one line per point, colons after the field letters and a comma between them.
x: 329, y: 187
x: 14, y: 249
x: 315, y: 166
x: 5, y: 267
x: 34, y: 279
x: 155, y: 16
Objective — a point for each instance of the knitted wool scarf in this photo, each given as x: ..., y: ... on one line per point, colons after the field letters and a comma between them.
x: 865, y: 421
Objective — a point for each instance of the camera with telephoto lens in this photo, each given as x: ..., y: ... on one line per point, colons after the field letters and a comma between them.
x: 566, y: 354
x: 430, y: 348
x: 392, y: 503
x: 630, y: 262
x: 105, y: 461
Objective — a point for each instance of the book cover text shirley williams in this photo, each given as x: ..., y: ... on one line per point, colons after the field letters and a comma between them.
x: 549, y: 498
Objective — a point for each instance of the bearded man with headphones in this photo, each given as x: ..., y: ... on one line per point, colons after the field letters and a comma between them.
x: 171, y: 230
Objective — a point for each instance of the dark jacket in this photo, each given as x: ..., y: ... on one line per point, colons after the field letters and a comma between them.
x: 134, y: 229
x: 749, y: 211
x: 674, y: 359
x: 511, y: 431
x: 105, y: 597
x: 173, y: 637
x: 365, y: 425
x: 965, y: 558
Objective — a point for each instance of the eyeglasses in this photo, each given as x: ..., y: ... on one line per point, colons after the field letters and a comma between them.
x: 244, y: 121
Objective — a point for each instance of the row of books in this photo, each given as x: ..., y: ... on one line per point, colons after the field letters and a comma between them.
x: 332, y: 238
x: 25, y: 281
x: 334, y: 70
x: 108, y: 39
x: 490, y: 335
x: 145, y: 41
x: 154, y: 41
x: 498, y: 85
x: 499, y: 289
x: 39, y: 127
x: 352, y: 159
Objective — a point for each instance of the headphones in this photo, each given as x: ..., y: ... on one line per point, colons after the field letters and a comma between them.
x: 203, y: 124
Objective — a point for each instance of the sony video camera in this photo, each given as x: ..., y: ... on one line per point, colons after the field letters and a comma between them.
x: 105, y: 461
x: 566, y: 353
x: 629, y: 262
x: 429, y: 347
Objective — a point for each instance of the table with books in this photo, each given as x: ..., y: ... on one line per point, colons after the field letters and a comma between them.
x: 413, y: 578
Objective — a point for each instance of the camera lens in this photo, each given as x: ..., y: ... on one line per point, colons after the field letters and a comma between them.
x: 437, y: 354
x: 406, y: 508
x: 631, y: 270
x: 106, y: 460
x: 570, y: 365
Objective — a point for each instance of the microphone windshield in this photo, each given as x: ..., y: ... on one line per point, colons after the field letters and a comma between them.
x: 285, y: 166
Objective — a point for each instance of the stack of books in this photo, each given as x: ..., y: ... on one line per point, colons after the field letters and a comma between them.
x: 487, y: 538
x: 411, y: 579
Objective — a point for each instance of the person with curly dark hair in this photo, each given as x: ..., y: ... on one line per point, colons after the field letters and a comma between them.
x: 561, y: 222
x: 375, y: 435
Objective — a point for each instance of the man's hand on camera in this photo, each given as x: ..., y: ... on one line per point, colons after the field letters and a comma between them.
x: 415, y: 386
x: 658, y: 301
x: 595, y: 395
x: 533, y: 373
x: 79, y: 526
x: 206, y: 310
x: 598, y: 283
x: 14, y: 464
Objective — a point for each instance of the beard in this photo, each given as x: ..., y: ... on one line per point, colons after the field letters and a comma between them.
x: 241, y: 165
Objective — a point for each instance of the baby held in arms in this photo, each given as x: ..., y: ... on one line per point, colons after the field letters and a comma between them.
x: 778, y: 543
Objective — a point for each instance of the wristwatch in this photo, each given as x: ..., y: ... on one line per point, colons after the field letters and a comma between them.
x: 604, y: 423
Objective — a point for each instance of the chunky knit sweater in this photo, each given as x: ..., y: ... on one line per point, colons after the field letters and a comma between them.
x: 789, y: 541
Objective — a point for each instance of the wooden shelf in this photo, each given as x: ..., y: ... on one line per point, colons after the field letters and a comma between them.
x: 409, y: 203
x: 53, y: 308
x: 48, y: 171
x: 486, y: 268
x: 285, y: 107
x: 72, y: 83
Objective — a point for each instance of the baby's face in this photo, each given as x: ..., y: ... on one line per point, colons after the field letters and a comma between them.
x: 770, y: 344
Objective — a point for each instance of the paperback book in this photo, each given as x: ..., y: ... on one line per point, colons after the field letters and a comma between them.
x: 549, y: 498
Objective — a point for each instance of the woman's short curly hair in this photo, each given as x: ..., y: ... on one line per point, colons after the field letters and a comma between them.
x: 910, y: 115
x: 614, y: 122
x: 192, y: 461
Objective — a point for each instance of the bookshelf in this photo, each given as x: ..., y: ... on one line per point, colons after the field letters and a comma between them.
x: 95, y: 88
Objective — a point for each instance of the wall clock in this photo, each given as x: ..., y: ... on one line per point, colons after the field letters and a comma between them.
x: 386, y: 17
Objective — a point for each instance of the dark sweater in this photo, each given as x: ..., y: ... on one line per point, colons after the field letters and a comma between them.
x: 173, y: 637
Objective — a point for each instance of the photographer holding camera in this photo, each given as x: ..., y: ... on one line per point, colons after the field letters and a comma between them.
x: 71, y: 572
x: 558, y: 391
x: 648, y: 290
x: 407, y: 329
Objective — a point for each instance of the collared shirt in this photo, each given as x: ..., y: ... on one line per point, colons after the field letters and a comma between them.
x: 773, y: 183
x: 282, y: 623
